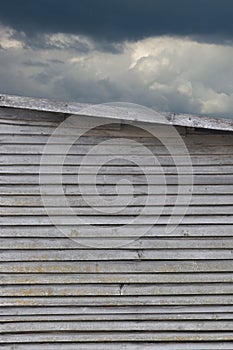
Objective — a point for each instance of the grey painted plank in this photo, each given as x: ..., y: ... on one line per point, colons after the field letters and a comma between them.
x: 16, y: 116
x: 85, y: 234
x: 46, y: 128
x: 13, y: 117
x: 118, y: 317
x: 79, y: 201
x: 34, y: 279
x: 196, y: 311
x: 26, y: 189
x: 155, y: 179
x: 111, y: 220
x: 118, y: 336
x: 171, y: 266
x: 111, y: 128
x: 114, y: 170
x: 20, y: 159
x: 118, y: 300
x: 116, y: 326
x: 190, y: 137
x: 141, y: 243
x: 105, y: 149
x: 116, y: 290
x: 118, y: 212
x: 191, y: 140
x: 122, y: 346
x: 101, y: 254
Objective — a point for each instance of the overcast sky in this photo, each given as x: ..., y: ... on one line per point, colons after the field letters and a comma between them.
x: 172, y: 55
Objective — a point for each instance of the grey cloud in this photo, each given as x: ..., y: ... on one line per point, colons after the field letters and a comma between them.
x: 30, y: 63
x: 166, y: 73
x: 115, y: 21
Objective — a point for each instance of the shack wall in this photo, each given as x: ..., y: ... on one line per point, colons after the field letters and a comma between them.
x: 169, y: 290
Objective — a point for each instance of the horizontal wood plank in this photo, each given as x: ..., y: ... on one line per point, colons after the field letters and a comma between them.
x: 115, y: 337
x: 169, y: 266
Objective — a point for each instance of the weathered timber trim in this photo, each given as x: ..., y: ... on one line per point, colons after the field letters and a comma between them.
x: 47, y: 105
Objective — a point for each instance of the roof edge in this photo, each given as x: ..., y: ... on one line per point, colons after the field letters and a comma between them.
x: 58, y: 106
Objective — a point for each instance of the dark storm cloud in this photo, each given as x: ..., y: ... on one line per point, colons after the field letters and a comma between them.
x: 117, y: 20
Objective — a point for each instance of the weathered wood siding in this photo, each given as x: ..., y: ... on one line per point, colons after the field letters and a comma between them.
x: 162, y: 291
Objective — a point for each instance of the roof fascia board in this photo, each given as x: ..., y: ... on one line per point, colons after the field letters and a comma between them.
x: 120, y: 114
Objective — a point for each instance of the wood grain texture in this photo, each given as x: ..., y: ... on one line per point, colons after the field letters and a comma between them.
x: 46, y: 105
x: 172, y: 266
x: 140, y: 336
x: 123, y: 346
x: 104, y: 290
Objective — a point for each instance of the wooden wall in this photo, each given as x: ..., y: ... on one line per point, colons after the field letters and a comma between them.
x: 161, y: 291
